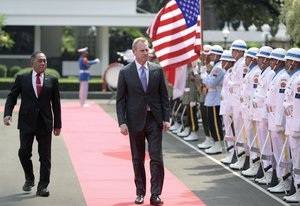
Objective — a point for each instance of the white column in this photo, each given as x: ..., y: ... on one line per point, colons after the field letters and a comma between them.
x: 103, y: 47
x: 37, y: 38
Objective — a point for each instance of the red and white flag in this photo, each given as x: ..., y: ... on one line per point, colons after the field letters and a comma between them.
x: 176, y: 35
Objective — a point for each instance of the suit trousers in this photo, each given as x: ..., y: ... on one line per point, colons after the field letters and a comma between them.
x: 44, y: 139
x: 153, y: 134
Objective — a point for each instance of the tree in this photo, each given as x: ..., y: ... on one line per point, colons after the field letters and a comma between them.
x: 5, y: 40
x: 290, y: 17
x: 256, y: 12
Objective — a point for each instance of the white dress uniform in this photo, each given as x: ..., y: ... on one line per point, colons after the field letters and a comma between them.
x: 276, y: 120
x: 247, y: 93
x: 235, y: 85
x: 260, y: 114
x: 292, y: 102
x: 226, y: 109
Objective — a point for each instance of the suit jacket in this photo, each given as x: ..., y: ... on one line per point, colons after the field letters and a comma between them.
x: 47, y: 104
x: 132, y: 101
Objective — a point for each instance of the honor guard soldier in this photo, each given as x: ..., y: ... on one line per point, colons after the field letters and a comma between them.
x: 208, y: 142
x: 292, y: 112
x: 226, y: 108
x: 238, y: 48
x: 248, y: 89
x: 276, y: 120
x: 260, y: 115
x: 213, y: 82
x: 192, y: 103
x: 84, y: 74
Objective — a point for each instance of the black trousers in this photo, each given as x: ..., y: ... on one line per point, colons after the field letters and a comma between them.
x: 215, y: 123
x: 44, y: 139
x: 204, y: 116
x: 192, y: 118
x: 153, y: 134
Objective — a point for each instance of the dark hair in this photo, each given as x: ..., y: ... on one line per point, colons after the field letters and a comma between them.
x: 34, y: 54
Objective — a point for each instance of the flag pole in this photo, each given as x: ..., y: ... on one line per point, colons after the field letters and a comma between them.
x: 201, y: 16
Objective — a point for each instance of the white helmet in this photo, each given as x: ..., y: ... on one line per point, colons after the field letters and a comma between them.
x: 216, y: 49
x: 293, y: 54
x: 227, y: 56
x: 278, y: 54
x: 252, y: 52
x: 264, y: 51
x: 206, y: 49
x: 239, y: 45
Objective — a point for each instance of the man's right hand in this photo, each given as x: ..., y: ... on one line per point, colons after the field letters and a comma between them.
x: 7, y: 120
x: 124, y: 129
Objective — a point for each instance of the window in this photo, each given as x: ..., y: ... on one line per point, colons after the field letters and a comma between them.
x: 23, y: 37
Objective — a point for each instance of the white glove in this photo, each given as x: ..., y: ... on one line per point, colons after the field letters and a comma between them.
x: 97, y: 60
x: 195, y: 70
x: 192, y: 103
x: 203, y: 69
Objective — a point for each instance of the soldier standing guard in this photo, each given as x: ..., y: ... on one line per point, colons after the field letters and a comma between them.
x: 238, y: 48
x: 292, y: 112
x: 276, y: 121
x: 193, y: 99
x: 214, y: 82
x: 208, y: 142
x: 248, y: 88
x: 84, y: 74
x: 225, y: 107
x: 260, y: 115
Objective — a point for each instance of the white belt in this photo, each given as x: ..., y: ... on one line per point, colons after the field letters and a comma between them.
x: 84, y: 71
x: 186, y: 89
x: 214, y: 89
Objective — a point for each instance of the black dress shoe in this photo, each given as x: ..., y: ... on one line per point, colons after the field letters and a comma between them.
x: 155, y: 200
x: 139, y: 199
x: 43, y: 192
x: 28, y: 185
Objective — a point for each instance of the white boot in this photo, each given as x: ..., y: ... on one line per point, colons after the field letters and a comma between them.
x: 239, y: 164
x: 215, y: 149
x: 295, y: 198
x: 175, y: 126
x: 252, y: 170
x: 207, y: 143
x: 180, y: 128
x: 192, y: 137
x: 185, y: 132
x: 265, y: 180
x: 227, y: 159
x: 283, y: 186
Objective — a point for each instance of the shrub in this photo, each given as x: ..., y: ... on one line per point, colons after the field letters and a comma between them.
x: 3, y: 70
x: 13, y: 70
x: 49, y: 70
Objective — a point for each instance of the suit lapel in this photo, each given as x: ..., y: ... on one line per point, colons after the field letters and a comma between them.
x: 151, y: 77
x: 30, y: 84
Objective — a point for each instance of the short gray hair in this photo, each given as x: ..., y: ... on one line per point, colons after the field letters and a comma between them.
x: 137, y: 40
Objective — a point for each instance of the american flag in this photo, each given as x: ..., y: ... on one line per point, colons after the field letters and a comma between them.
x: 176, y: 33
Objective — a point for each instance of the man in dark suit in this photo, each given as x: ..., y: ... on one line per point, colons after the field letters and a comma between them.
x: 39, y: 109
x: 143, y: 112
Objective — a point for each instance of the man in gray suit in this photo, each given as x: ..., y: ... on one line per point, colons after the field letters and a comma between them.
x: 143, y: 112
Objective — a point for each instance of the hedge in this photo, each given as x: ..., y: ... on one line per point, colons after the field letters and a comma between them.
x: 49, y: 70
x: 3, y: 70
x: 13, y: 71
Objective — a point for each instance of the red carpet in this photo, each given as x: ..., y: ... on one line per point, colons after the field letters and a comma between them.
x: 101, y: 157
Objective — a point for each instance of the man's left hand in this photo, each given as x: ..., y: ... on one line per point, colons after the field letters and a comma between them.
x: 166, y: 126
x: 56, y: 131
